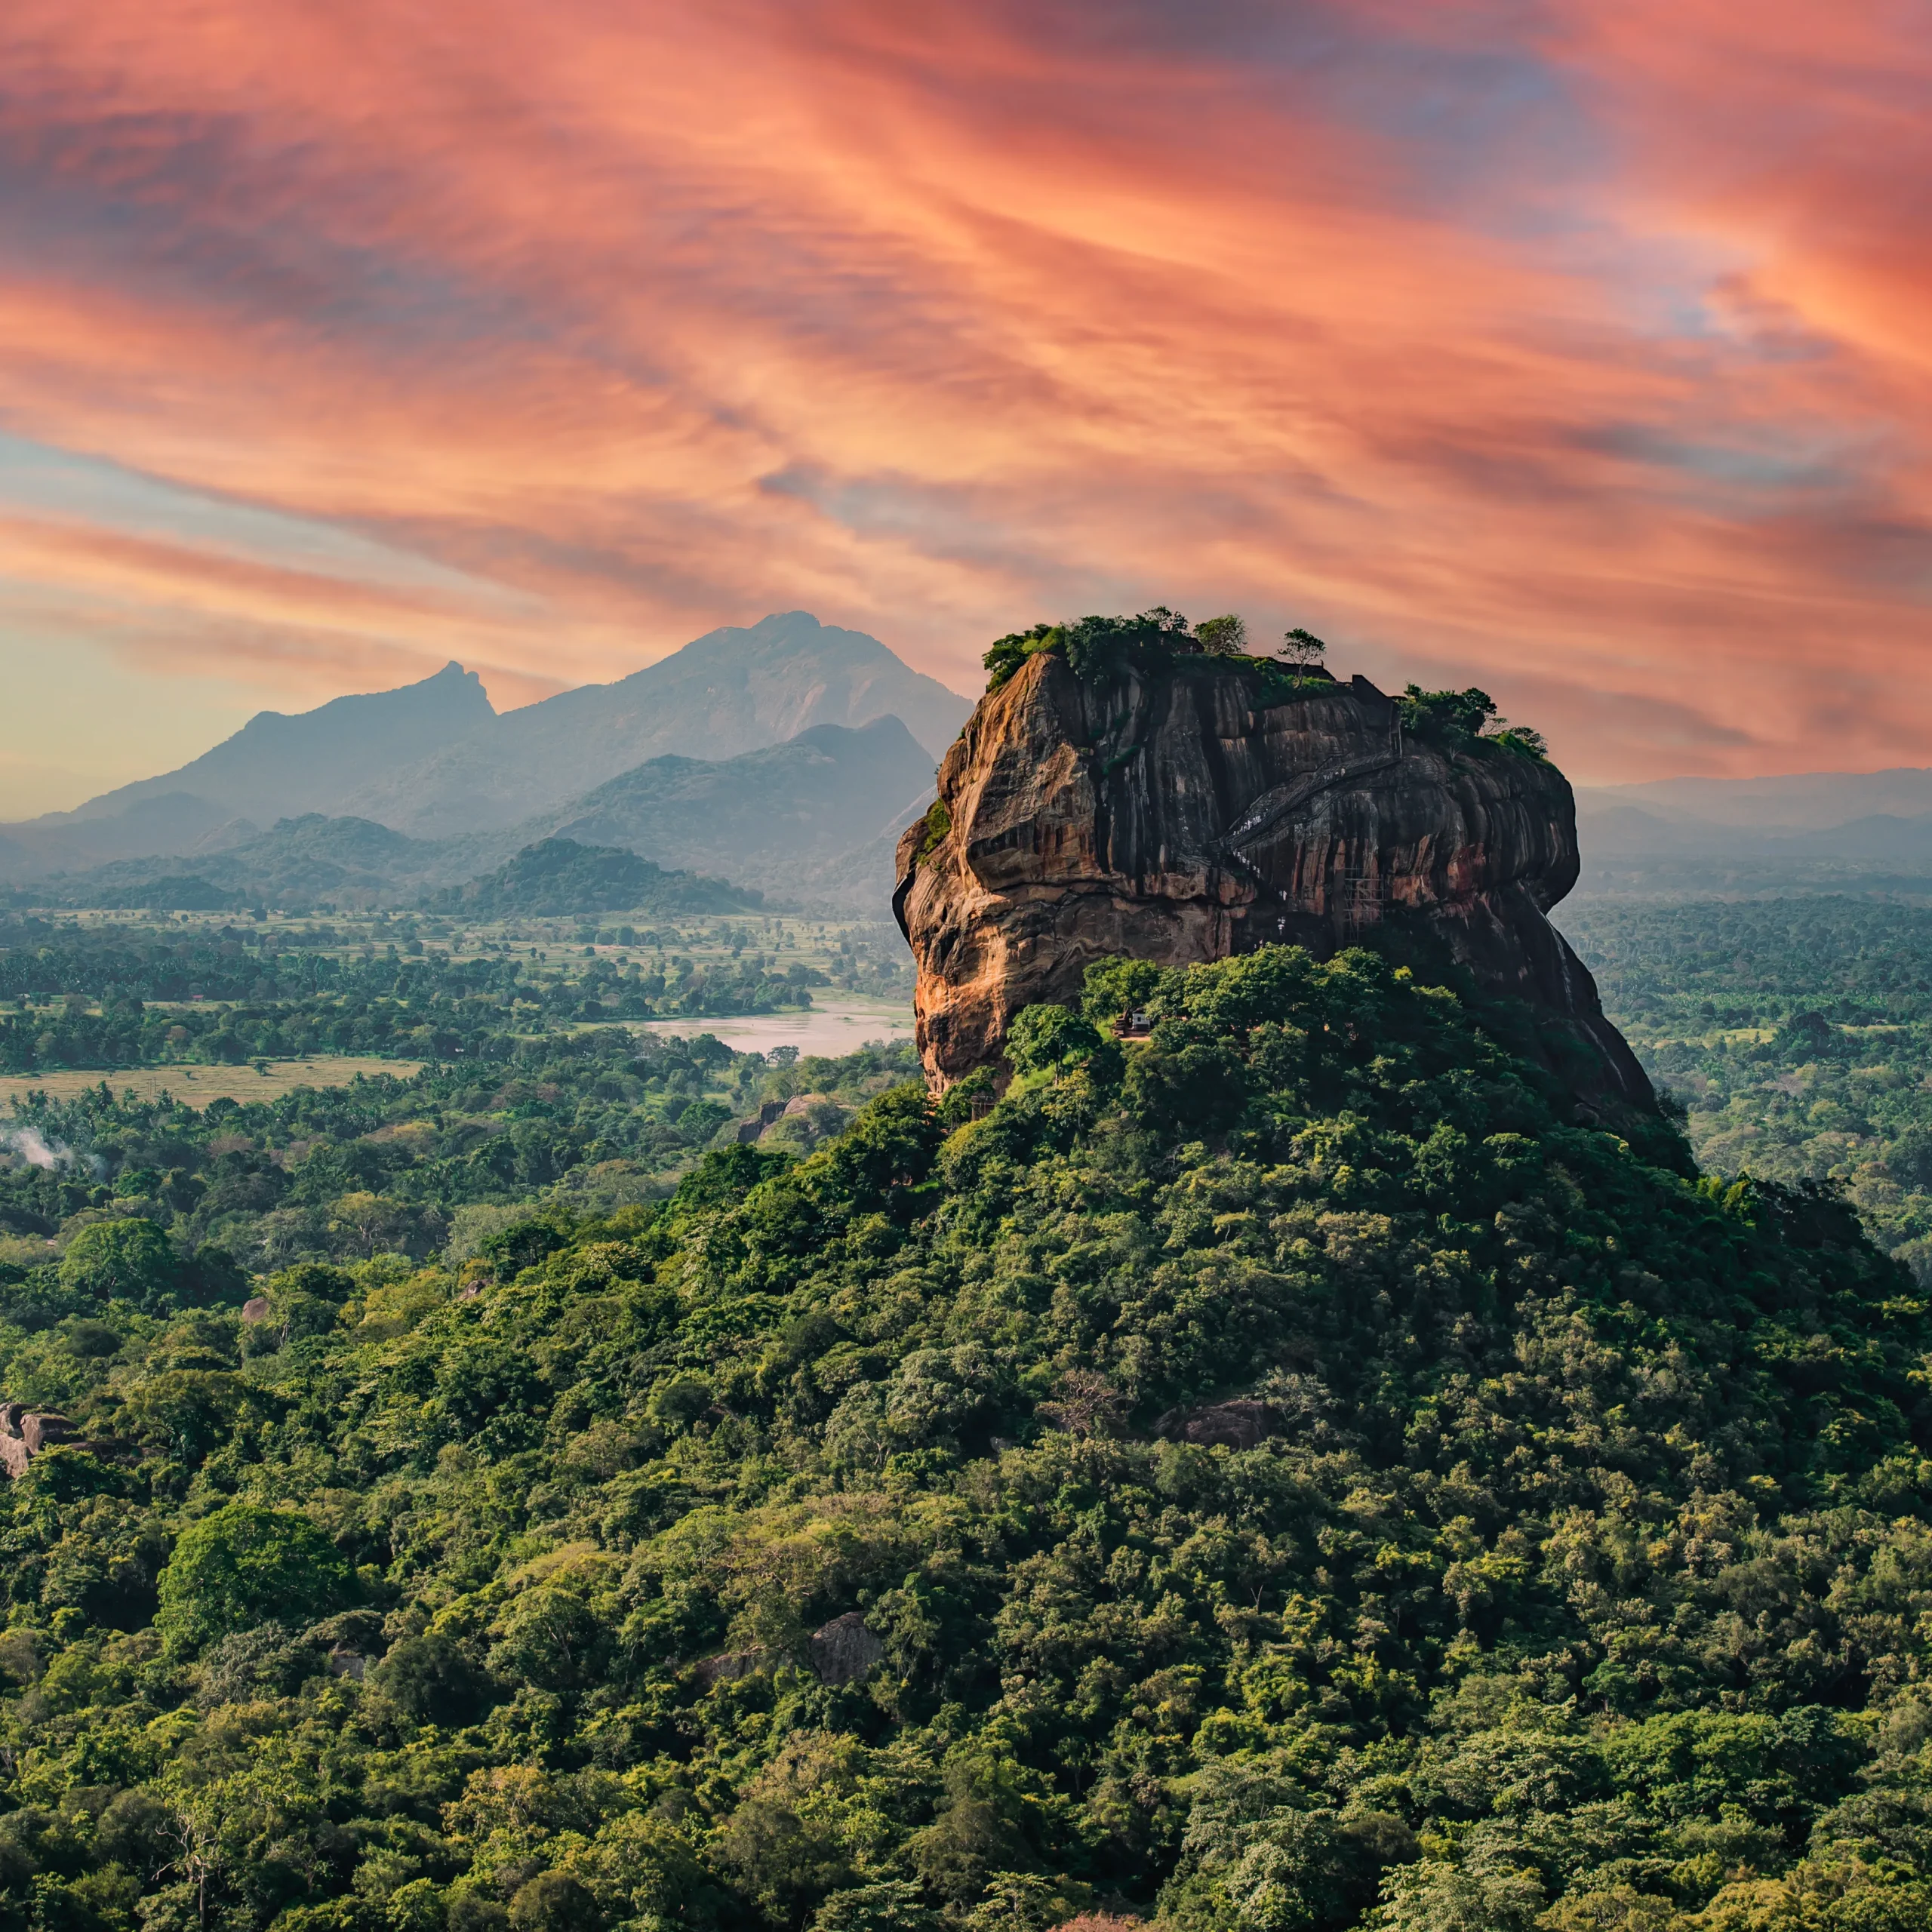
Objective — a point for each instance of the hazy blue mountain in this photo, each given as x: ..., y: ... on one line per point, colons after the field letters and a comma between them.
x: 434, y: 761
x: 1756, y: 836
x: 732, y: 691
x: 813, y: 819
x: 1884, y: 838
x: 1799, y: 801
x: 171, y: 821
x: 306, y: 861
x: 773, y: 818
x: 277, y: 766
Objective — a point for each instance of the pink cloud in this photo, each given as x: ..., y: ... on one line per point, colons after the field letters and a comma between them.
x: 1518, y: 345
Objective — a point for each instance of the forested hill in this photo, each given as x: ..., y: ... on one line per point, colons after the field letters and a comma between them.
x: 557, y: 877
x: 1238, y: 1478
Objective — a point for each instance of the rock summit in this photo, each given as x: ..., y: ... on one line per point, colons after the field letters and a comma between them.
x: 1202, y: 807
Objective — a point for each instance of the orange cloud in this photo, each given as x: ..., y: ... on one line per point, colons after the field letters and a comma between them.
x: 1518, y: 345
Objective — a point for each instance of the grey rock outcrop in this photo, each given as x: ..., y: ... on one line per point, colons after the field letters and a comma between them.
x: 1239, y: 1424
x: 844, y: 1650
x: 27, y: 1432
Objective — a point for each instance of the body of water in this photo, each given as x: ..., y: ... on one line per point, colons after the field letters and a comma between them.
x: 830, y: 1027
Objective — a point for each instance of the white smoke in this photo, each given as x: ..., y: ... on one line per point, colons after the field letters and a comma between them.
x: 35, y: 1149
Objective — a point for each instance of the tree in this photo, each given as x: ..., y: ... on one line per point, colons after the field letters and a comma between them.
x: 1302, y: 649
x: 1223, y: 637
x: 369, y: 1224
x: 1042, y: 1039
x: 554, y: 1901
x: 1197, y: 1087
x: 550, y: 1637
x: 123, y: 1260
x: 1460, y: 719
x: 243, y: 1566
x: 431, y: 1680
x: 182, y: 1413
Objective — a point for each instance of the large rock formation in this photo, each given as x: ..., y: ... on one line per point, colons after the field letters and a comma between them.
x: 1188, y: 813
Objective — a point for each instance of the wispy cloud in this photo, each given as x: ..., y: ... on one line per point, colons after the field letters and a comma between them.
x: 1577, y: 352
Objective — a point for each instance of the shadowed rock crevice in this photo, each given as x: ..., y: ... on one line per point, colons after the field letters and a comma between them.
x: 1184, y: 815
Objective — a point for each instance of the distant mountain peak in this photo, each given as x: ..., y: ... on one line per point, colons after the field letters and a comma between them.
x: 739, y: 688
x: 283, y: 763
x: 435, y: 759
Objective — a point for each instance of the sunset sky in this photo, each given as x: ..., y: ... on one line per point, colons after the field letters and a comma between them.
x: 1583, y: 351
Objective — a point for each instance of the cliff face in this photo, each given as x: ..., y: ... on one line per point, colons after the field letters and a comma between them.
x: 1182, y: 817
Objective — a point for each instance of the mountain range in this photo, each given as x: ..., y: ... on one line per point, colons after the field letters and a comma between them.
x: 1808, y: 831
x: 767, y: 818
x: 730, y: 691
x: 802, y: 819
x: 796, y: 743
x: 783, y: 756
x: 279, y: 766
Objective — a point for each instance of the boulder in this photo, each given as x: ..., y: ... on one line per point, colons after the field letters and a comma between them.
x: 41, y: 1430
x: 255, y: 1308
x: 24, y: 1433
x: 1239, y: 1424
x: 728, y: 1665
x: 750, y: 1130
x: 844, y: 1650
x: 1185, y: 814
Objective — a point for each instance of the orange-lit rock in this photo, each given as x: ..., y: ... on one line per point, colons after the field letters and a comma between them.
x: 1181, y: 818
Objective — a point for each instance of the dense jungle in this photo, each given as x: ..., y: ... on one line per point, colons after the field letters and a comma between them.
x: 1795, y: 1034
x: 113, y: 992
x: 1284, y: 1473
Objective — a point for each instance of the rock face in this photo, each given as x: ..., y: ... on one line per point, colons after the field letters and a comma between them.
x: 1239, y: 1424
x: 24, y: 1432
x: 1183, y: 816
x: 844, y: 1650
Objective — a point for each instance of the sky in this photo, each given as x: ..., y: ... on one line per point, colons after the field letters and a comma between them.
x: 1583, y: 353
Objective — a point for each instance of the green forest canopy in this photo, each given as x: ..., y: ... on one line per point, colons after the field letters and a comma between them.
x: 1278, y: 1474
x: 108, y: 996
x: 595, y: 1119
x: 1796, y: 1034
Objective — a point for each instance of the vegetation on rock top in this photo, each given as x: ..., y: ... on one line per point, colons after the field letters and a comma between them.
x: 1161, y: 642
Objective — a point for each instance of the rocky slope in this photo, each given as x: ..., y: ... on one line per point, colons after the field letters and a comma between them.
x: 1187, y: 814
